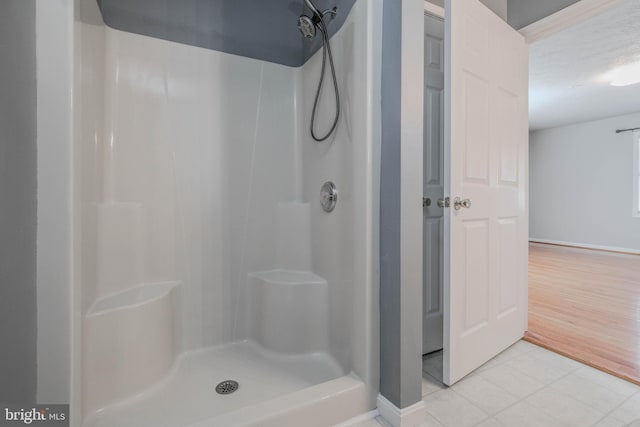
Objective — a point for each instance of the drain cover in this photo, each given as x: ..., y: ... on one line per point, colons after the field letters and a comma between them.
x: 227, y: 387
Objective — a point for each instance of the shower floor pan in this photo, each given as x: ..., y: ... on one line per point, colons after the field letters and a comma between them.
x: 272, y: 389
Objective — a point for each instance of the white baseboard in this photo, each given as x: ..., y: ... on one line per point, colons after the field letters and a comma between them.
x: 586, y: 246
x: 359, y: 419
x: 411, y: 416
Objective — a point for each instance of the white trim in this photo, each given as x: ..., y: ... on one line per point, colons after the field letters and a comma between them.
x: 411, y: 416
x: 359, y: 419
x: 54, y: 270
x: 586, y: 246
x: 635, y: 208
x: 565, y: 18
x: 433, y: 9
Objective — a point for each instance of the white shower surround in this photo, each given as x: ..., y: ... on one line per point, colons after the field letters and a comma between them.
x: 197, y: 183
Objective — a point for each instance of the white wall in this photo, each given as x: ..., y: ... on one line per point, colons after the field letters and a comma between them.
x: 581, y: 184
x: 183, y: 155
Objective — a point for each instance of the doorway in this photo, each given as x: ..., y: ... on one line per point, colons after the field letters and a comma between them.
x: 474, y: 188
x: 584, y: 265
x: 433, y: 190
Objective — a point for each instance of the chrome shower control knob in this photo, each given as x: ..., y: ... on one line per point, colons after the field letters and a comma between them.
x: 328, y: 196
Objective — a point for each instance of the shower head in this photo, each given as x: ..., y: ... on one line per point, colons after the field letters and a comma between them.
x: 306, y: 26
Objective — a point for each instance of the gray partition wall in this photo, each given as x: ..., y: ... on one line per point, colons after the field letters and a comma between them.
x: 390, y: 333
x: 18, y: 201
x: 400, y: 292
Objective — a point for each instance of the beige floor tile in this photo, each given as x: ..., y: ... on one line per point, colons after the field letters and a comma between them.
x: 610, y: 421
x: 430, y: 385
x: 589, y: 392
x: 629, y: 411
x: 491, y: 422
x: 608, y: 381
x: 484, y: 394
x: 545, y: 372
x: 452, y: 410
x: 512, y: 380
x: 524, y: 415
x: 564, y: 408
x: 430, y: 422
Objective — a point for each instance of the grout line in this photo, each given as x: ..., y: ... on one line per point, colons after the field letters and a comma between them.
x: 523, y: 400
x: 487, y: 416
x: 610, y: 413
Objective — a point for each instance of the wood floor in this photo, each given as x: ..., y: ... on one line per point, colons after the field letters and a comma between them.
x: 585, y: 304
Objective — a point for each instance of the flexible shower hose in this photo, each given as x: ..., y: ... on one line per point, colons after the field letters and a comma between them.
x: 326, y: 48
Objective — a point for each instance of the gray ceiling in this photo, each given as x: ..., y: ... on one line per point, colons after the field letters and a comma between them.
x: 524, y: 12
x: 260, y: 29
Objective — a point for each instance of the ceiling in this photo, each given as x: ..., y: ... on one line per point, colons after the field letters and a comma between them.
x: 566, y: 69
x: 259, y: 29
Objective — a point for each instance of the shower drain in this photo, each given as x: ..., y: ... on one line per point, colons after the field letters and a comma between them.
x: 227, y: 387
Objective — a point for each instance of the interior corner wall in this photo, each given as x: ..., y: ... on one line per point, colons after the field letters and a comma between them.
x: 581, y: 184
x: 499, y: 7
x: 390, y: 328
x: 18, y: 190
x: 400, y: 215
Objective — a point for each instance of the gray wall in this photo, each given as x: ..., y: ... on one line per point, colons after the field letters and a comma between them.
x: 265, y: 30
x: 18, y: 205
x: 400, y: 216
x: 390, y: 327
x: 499, y: 7
x: 524, y: 12
x: 581, y: 184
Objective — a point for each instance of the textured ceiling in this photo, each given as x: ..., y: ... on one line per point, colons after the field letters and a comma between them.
x: 566, y: 69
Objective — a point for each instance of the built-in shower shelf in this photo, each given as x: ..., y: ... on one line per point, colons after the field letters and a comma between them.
x: 133, y: 297
x: 289, y: 311
x: 288, y: 277
x: 129, y: 342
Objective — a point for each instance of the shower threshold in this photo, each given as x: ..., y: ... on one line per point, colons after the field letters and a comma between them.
x: 188, y: 394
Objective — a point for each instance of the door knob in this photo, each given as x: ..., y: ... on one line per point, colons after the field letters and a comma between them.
x: 443, y: 203
x: 458, y: 203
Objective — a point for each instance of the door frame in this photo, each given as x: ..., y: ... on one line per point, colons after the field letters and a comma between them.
x: 433, y: 9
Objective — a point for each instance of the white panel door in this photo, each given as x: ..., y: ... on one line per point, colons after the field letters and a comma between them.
x: 486, y: 143
x: 433, y: 185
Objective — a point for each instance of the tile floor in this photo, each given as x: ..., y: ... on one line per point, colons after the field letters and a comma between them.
x: 527, y: 386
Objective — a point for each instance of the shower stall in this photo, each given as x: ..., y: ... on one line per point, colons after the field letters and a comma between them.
x: 225, y: 261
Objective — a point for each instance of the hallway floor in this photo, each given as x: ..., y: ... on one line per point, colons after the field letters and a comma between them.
x: 528, y: 386
x: 584, y: 304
